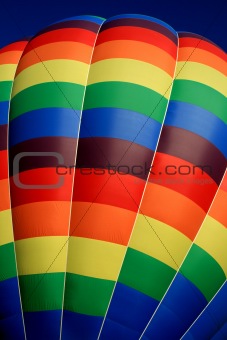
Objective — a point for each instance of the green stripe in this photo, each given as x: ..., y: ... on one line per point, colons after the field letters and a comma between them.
x: 7, y: 262
x: 87, y: 295
x: 41, y: 291
x: 146, y: 274
x: 58, y: 94
x: 203, y: 270
x: 201, y: 95
x: 126, y: 96
x: 5, y: 90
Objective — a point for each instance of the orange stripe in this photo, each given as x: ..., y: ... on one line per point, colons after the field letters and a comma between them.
x: 224, y: 183
x: 41, y: 219
x: 183, y: 177
x: 218, y: 210
x: 203, y: 57
x: 58, y: 50
x: 11, y: 57
x: 204, y: 45
x: 4, y: 196
x: 138, y: 34
x: 172, y: 208
x: 135, y: 50
x: 101, y: 222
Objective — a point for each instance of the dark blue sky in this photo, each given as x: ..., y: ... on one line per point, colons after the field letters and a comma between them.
x: 20, y: 18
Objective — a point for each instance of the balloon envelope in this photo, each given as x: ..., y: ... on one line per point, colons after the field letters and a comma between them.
x: 114, y: 224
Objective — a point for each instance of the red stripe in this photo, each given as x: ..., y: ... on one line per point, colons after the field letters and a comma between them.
x: 66, y: 34
x: 204, y: 45
x: 45, y: 176
x: 17, y: 46
x: 124, y: 191
x: 138, y: 34
x: 3, y: 164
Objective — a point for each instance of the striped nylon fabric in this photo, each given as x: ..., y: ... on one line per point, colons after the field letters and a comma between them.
x: 45, y: 113
x: 211, y: 241
x: 201, y: 275
x: 117, y: 154
x: 203, y: 271
x: 10, y: 306
x: 177, y: 188
x: 132, y: 67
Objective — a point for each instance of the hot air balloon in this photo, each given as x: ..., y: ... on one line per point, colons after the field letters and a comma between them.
x: 116, y: 219
x: 10, y: 306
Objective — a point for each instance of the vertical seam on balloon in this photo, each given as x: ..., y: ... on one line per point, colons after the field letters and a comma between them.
x: 178, y: 270
x: 11, y: 217
x: 74, y: 171
x: 138, y: 211
x: 204, y: 309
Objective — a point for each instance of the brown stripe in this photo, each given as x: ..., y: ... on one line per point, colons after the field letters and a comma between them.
x: 195, y: 36
x: 200, y: 38
x: 63, y: 145
x: 88, y: 25
x: 3, y: 137
x: 140, y: 23
x: 194, y: 149
x: 114, y: 153
x: 95, y: 152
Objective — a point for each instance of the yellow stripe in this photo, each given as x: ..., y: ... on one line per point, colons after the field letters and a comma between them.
x: 95, y: 258
x: 203, y: 74
x: 51, y: 71
x: 41, y: 254
x: 132, y: 71
x: 213, y: 239
x: 160, y: 241
x: 7, y: 72
x: 6, y: 229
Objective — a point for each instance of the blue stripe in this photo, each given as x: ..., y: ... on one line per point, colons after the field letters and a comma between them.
x: 221, y: 334
x: 49, y: 122
x: 9, y: 297
x: 180, y: 307
x: 11, y: 324
x: 4, y: 108
x: 128, y: 314
x: 122, y: 124
x: 145, y: 17
x: 97, y: 20
x: 116, y: 331
x: 43, y: 325
x: 80, y: 327
x: 197, y: 120
x: 11, y: 328
x: 212, y: 319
